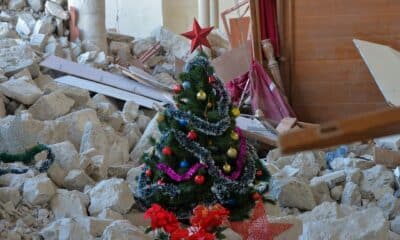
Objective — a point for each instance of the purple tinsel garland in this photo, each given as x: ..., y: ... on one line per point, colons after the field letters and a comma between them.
x: 179, y: 178
x: 240, y: 162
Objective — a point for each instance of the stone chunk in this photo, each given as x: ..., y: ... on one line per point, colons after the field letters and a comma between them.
x: 351, y: 194
x: 77, y: 180
x: 112, y: 193
x: 44, y: 26
x: 22, y: 89
x: 8, y: 194
x: 38, y: 190
x: 367, y: 224
x: 52, y: 106
x: 69, y: 204
x: 308, y: 165
x: 25, y: 24
x: 94, y: 226
x: 321, y: 192
x: 56, y: 10
x: 123, y: 230
x: 16, y: 4
x: 38, y: 41
x: 336, y: 192
x: 331, y: 178
x: 64, y: 229
x: 390, y: 206
x: 378, y: 181
x: 324, y: 211
x: 110, y: 214
x: 294, y: 193
x: 395, y: 225
x: 130, y: 111
x: 36, y: 5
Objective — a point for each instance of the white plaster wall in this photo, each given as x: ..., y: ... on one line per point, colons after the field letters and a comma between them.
x: 134, y: 17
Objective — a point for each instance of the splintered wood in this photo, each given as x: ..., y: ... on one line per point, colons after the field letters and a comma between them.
x: 358, y: 128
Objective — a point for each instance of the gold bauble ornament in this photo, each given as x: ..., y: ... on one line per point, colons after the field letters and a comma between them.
x: 210, y: 142
x: 209, y: 105
x: 227, y: 168
x: 232, y: 152
x: 235, y: 112
x: 202, y: 96
x: 234, y: 136
x: 160, y: 117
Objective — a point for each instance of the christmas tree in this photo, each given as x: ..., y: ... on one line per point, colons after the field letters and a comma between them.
x: 201, y: 157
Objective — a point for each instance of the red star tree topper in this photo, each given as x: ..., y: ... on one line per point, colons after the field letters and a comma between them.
x: 258, y: 228
x: 198, y: 36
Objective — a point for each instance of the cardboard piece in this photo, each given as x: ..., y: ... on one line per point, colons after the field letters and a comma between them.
x: 358, y: 128
x: 108, y: 91
x: 384, y: 65
x: 104, y: 78
x: 286, y: 124
x: 233, y: 63
x: 254, y: 129
x: 388, y: 158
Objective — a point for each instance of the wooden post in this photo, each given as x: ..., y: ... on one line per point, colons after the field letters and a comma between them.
x: 255, y: 28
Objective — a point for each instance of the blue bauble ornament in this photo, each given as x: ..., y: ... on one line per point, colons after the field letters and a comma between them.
x: 184, y: 164
x: 186, y: 85
x: 231, y: 202
x: 183, y: 122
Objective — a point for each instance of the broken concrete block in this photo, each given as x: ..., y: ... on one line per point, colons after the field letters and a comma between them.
x: 123, y: 230
x: 38, y: 190
x: 308, y: 165
x: 353, y: 175
x: 175, y: 45
x: 16, y: 4
x: 25, y: 24
x: 331, y: 178
x: 366, y: 224
x: 3, y: 111
x: 144, y: 142
x: 94, y: 226
x: 101, y: 59
x: 110, y: 214
x: 351, y: 194
x: 56, y: 10
x: 130, y: 111
x: 390, y: 142
x: 395, y: 225
x: 38, y: 41
x: 139, y: 46
x: 292, y: 192
x: 77, y: 180
x: 119, y: 151
x: 97, y: 167
x: 324, y: 211
x: 390, y: 206
x: 95, y: 137
x: 142, y: 122
x: 65, y: 159
x: 54, y: 48
x: 76, y: 122
x: 42, y: 80
x: 22, y: 90
x: 112, y: 193
x: 6, y: 30
x: 15, y: 55
x: 51, y: 106
x: 65, y: 228
x: 87, y: 57
x: 44, y: 26
x: 321, y: 192
x: 377, y: 181
x: 69, y: 204
x: 10, y: 194
x: 132, y: 177
x: 36, y: 5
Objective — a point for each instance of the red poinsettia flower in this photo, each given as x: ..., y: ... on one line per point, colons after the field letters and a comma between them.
x: 202, y: 234
x: 209, y: 218
x: 160, y: 218
x: 180, y: 234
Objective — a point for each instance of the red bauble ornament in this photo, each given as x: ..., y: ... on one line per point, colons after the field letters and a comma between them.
x: 211, y: 79
x: 256, y: 196
x: 148, y: 173
x: 192, y: 135
x: 199, y: 179
x: 198, y: 36
x: 160, y: 182
x: 167, y: 151
x: 177, y: 88
x: 259, y: 173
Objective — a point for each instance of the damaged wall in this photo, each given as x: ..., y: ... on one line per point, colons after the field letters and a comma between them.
x: 329, y: 79
x: 134, y: 17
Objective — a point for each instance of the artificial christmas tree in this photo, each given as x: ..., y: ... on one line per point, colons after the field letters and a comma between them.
x: 202, y: 157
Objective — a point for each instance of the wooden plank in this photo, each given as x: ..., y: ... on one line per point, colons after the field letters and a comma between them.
x: 286, y: 124
x: 358, y: 128
x: 388, y: 158
x: 108, y: 91
x: 102, y: 77
x: 384, y: 64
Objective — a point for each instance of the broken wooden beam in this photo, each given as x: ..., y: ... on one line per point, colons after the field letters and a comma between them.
x: 357, y: 128
x: 386, y: 157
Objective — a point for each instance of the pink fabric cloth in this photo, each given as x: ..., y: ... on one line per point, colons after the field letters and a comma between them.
x: 265, y: 95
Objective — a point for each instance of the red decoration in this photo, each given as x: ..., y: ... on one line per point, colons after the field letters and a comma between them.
x: 148, y: 173
x: 160, y: 182
x: 259, y: 227
x: 198, y: 36
x: 167, y: 151
x: 192, y: 135
x: 259, y: 173
x: 177, y: 88
x: 256, y: 196
x: 211, y: 79
x: 161, y: 218
x: 199, y: 179
x: 209, y: 217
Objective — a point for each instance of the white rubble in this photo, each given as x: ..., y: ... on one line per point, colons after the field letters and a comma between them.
x: 377, y: 181
x: 38, y: 190
x: 8, y: 194
x: 69, y: 204
x: 22, y: 89
x: 77, y: 180
x: 331, y: 178
x: 51, y: 106
x: 351, y: 194
x: 112, y: 193
x: 123, y: 230
x: 94, y: 226
x: 65, y: 229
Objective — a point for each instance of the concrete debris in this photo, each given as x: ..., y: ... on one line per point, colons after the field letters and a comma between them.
x: 351, y: 194
x: 123, y: 230
x: 331, y: 178
x: 94, y: 226
x: 56, y: 10
x: 390, y: 206
x: 38, y: 190
x: 65, y: 228
x: 69, y: 204
x: 77, y: 180
x: 16, y: 4
x: 377, y: 181
x: 112, y: 193
x: 22, y: 89
x: 52, y: 106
